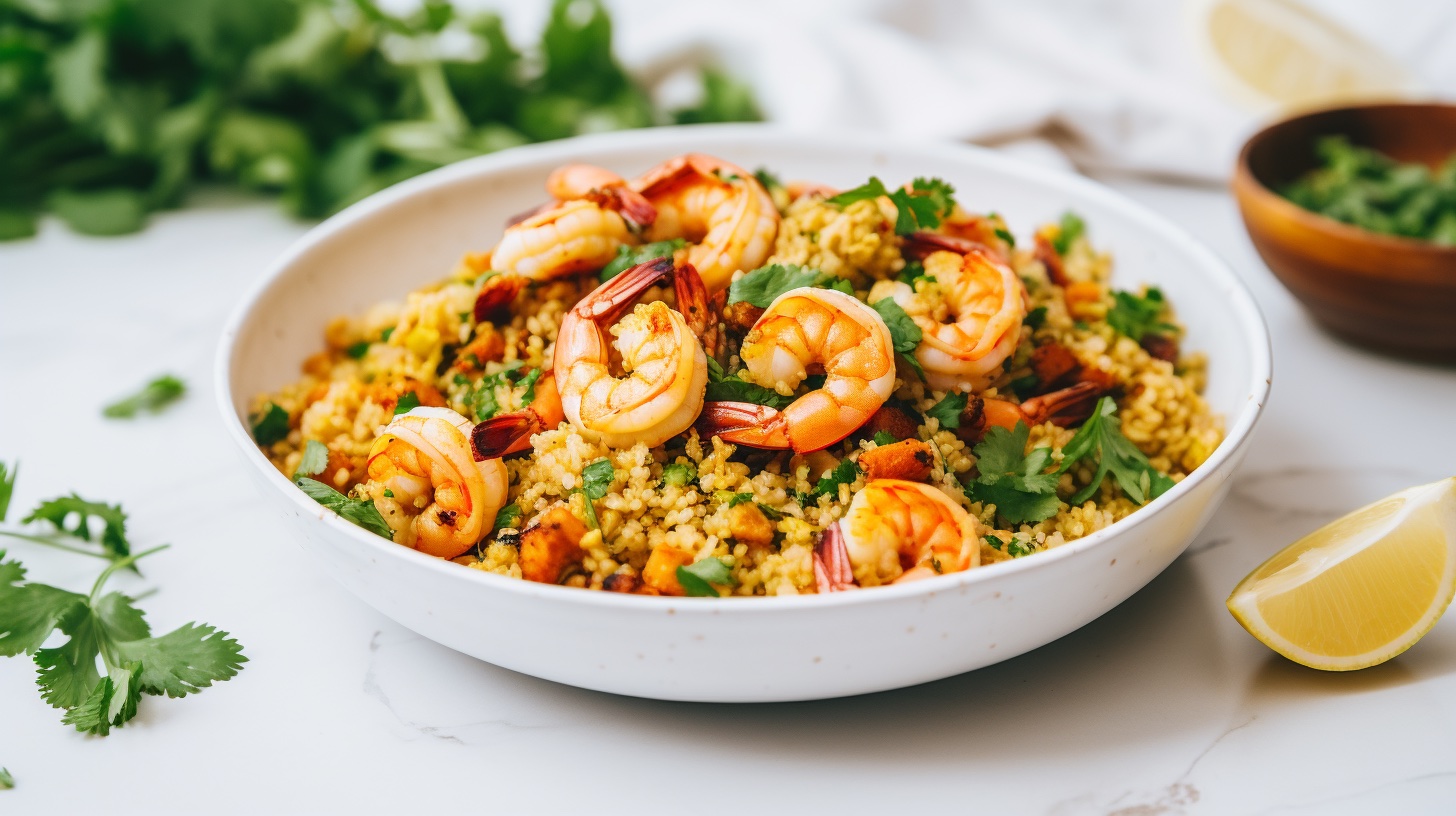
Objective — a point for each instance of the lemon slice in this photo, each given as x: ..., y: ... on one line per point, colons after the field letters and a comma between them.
x: 1360, y: 590
x: 1282, y: 53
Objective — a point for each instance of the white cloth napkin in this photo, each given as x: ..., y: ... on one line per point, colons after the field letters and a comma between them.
x: 1112, y: 85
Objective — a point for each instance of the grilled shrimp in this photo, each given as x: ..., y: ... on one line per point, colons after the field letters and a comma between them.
x: 666, y: 371
x: 987, y: 304
x: 802, y: 330
x: 595, y: 213
x: 897, y: 531
x: 423, y: 458
x: 504, y: 434
x: 719, y: 208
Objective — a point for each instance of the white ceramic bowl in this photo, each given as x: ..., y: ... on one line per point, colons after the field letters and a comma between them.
x: 736, y: 649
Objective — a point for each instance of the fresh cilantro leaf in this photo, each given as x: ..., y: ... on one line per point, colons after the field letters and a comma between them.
x: 271, y: 425
x: 507, y: 516
x: 155, y: 396
x: 183, y: 661
x: 630, y: 256
x: 844, y: 473
x: 482, y: 402
x: 1005, y: 235
x: 920, y: 207
x: 1071, y: 228
x: 358, y: 350
x: 874, y: 188
x: 732, y: 499
x: 1137, y: 316
x: 697, y: 578
x: 315, y: 459
x: 1013, y: 479
x: 7, y: 486
x: 7, y: 782
x: 67, y: 673
x: 904, y: 334
x: 112, y: 211
x: 1023, y: 387
x: 30, y: 612
x: 529, y: 383
x: 356, y: 511
x: 948, y: 410
x: 1035, y: 318
x: 732, y: 389
x: 1101, y: 436
x: 110, y: 517
x: 724, y: 100
x: 386, y: 334
x: 767, y: 179
x: 884, y: 438
x: 763, y: 285
x: 407, y: 402
x: 911, y: 272
x: 678, y: 474
x: 940, y: 194
x: 597, y: 478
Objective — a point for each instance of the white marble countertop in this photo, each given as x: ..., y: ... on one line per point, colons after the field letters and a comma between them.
x: 1162, y: 706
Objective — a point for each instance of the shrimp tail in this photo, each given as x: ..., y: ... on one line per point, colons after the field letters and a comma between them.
x: 832, y: 571
x: 634, y: 207
x: 1068, y: 407
x: 495, y: 437
x: 607, y: 304
x: 693, y: 305
x: 496, y: 295
x: 745, y: 423
x: 918, y: 245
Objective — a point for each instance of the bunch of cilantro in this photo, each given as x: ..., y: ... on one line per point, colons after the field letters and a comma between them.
x: 113, y: 109
x: 103, y: 655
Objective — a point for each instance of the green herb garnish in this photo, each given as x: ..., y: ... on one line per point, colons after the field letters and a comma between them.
x: 361, y: 512
x: 596, y: 480
x: 408, y: 401
x: 315, y: 459
x: 765, y: 284
x: 1372, y: 191
x: 630, y: 256
x: 883, y: 438
x: 678, y: 474
x: 1012, y: 479
x: 507, y: 516
x: 948, y: 410
x: 904, y: 334
x: 153, y: 397
x: 844, y: 473
x: 1137, y: 316
x: 358, y: 350
x: 106, y: 522
x: 8, y: 475
x: 1069, y: 230
x: 923, y: 206
x: 1035, y: 318
x: 271, y: 425
x: 733, y: 389
x: 1102, y: 437
x: 697, y: 579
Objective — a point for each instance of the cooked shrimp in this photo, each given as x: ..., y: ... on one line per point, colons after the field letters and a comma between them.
x: 509, y: 433
x: 1067, y: 407
x: 802, y: 330
x: 423, y: 458
x: 596, y: 213
x: 902, y: 531
x: 666, y: 371
x: 719, y: 208
x: 987, y: 303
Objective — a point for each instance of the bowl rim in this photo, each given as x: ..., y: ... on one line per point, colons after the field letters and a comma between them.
x: 1246, y: 311
x: 1246, y: 182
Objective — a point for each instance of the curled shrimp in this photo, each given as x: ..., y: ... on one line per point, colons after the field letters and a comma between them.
x: 504, y: 434
x: 718, y: 207
x: 595, y: 212
x: 897, y: 531
x: 804, y: 331
x: 986, y: 302
x: 666, y: 371
x: 423, y: 458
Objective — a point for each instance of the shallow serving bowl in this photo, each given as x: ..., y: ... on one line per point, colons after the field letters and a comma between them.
x: 1393, y: 294
x: 736, y: 649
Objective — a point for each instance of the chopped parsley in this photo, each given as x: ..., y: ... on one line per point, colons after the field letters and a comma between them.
x: 1005, y: 235
x: 697, y: 579
x: 630, y: 256
x: 1137, y: 316
x: 506, y: 517
x: 408, y: 401
x: 6, y: 780
x: 912, y: 272
x: 677, y: 474
x: 315, y: 459
x: 884, y: 438
x: 734, y: 389
x: 923, y: 206
x: 1013, y: 547
x: 1102, y: 437
x: 361, y: 512
x: 828, y: 485
x: 1035, y: 318
x: 153, y: 397
x: 1012, y: 479
x: 596, y: 480
x: 904, y: 334
x: 948, y: 410
x: 1069, y: 230
x: 763, y: 285
x: 270, y: 425
x: 481, y: 400
x: 358, y: 350
x: 732, y: 499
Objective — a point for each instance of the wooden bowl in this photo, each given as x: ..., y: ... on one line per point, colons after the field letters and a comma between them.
x: 1396, y: 295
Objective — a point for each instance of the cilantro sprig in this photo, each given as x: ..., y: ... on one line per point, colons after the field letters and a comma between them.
x: 1069, y: 230
x: 1101, y: 437
x: 904, y: 334
x: 1012, y: 479
x: 763, y: 285
x: 110, y: 657
x: 1140, y: 315
x: 630, y: 256
x: 949, y: 409
x: 923, y: 206
x: 596, y: 480
x: 152, y: 398
x: 697, y: 579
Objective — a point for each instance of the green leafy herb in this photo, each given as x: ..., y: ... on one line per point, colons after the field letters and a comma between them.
x: 884, y: 438
x: 408, y: 401
x: 1012, y: 547
x: 1366, y: 188
x: 948, y: 410
x: 678, y: 474
x: 733, y: 389
x: 361, y: 512
x: 724, y: 100
x: 109, y: 527
x: 153, y: 397
x: 508, y: 516
x: 596, y: 478
x: 904, y: 334
x: 1035, y: 318
x: 481, y: 401
x: 1023, y: 387
x: 1070, y: 229
x: 1101, y: 436
x: 1012, y: 479
x: 8, y: 475
x: 697, y: 579
x: 1137, y: 316
x: 358, y: 350
x: 911, y: 272
x: 844, y: 473
x: 386, y: 334
x: 923, y: 206
x: 630, y: 256
x: 7, y: 781
x: 763, y: 285
x: 315, y: 459
x: 767, y: 179
x: 271, y: 425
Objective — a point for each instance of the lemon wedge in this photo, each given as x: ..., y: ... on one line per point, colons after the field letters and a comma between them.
x: 1360, y: 590
x: 1283, y: 53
